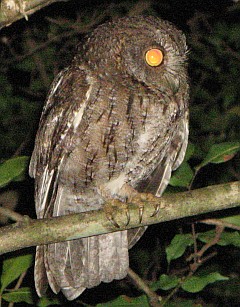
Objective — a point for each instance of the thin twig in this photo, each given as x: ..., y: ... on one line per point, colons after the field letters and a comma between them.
x: 219, y: 223
x: 154, y: 299
x: 12, y: 215
x: 18, y: 285
x: 194, y: 242
x: 193, y: 269
x: 199, y: 254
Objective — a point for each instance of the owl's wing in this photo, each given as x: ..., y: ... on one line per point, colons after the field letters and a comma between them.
x: 61, y: 115
x: 159, y: 179
x: 69, y: 266
x: 181, y: 142
x: 174, y: 156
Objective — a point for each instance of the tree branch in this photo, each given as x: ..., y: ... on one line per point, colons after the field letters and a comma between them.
x: 12, y: 10
x: 75, y: 226
x: 154, y: 299
x: 220, y: 223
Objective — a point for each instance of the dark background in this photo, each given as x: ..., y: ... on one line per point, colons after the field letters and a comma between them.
x: 33, y: 52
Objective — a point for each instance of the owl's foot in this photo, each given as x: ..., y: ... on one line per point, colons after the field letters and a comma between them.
x: 141, y: 198
x: 130, y: 193
x: 120, y: 199
x: 110, y: 208
x: 152, y: 199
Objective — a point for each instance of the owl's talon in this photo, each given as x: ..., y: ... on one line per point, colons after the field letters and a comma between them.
x: 128, y: 217
x: 109, y: 214
x: 113, y: 206
x: 156, y: 211
x: 111, y: 219
x: 140, y: 214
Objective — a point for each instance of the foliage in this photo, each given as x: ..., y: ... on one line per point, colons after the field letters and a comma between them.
x: 13, y: 170
x: 185, y: 267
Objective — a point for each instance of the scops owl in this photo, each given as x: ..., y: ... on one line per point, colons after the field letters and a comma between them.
x: 115, y: 120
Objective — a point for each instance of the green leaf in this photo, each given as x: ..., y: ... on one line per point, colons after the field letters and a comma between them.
x: 178, y: 246
x: 124, y: 300
x: 19, y: 295
x: 227, y: 238
x: 182, y: 177
x: 235, y: 219
x: 12, y: 169
x: 220, y: 153
x: 168, y: 282
x: 45, y: 301
x: 197, y: 283
x: 165, y: 282
x: 13, y: 268
x: 189, y: 152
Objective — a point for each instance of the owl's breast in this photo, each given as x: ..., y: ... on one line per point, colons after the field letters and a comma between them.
x: 122, y: 137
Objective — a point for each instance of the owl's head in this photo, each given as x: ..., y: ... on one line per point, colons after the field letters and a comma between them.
x: 138, y: 49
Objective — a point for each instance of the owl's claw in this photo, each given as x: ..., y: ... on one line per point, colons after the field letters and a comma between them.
x: 111, y: 219
x: 147, y: 197
x: 109, y: 211
x: 155, y: 211
x: 128, y: 217
x: 141, y: 208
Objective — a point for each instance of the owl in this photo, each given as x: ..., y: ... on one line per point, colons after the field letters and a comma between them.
x: 115, y: 122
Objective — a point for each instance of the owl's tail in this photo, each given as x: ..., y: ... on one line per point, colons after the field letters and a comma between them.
x: 73, y: 266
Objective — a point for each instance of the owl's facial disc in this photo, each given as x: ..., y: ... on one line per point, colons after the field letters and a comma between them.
x: 154, y: 57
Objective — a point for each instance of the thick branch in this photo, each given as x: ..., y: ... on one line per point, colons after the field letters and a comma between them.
x: 74, y: 226
x: 12, y: 10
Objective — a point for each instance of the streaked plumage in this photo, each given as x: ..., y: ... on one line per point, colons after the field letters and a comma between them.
x: 110, y: 120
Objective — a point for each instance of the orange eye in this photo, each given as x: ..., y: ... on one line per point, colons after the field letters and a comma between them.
x: 154, y: 57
